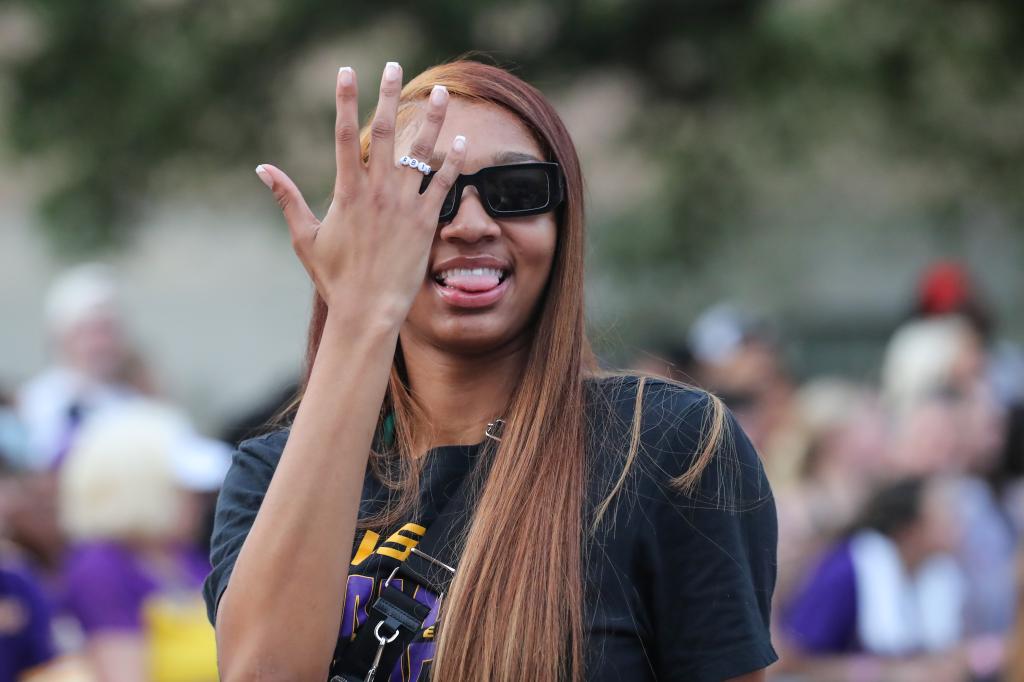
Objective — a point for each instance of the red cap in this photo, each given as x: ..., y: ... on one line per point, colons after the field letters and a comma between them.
x: 945, y: 287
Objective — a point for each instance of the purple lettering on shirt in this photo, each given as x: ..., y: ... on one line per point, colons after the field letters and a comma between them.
x: 357, y: 600
x: 418, y: 654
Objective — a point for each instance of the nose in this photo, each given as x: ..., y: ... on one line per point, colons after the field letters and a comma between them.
x: 471, y: 223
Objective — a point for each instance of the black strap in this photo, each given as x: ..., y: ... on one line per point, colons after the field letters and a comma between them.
x: 397, y: 618
x: 399, y: 612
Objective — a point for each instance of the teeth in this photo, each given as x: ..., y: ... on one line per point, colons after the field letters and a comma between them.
x: 471, y: 272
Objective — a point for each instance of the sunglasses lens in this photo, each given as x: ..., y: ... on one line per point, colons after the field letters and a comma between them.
x: 448, y: 207
x: 510, y: 189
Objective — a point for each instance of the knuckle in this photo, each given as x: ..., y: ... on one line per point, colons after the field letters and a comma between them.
x: 284, y: 200
x: 346, y: 133
x: 446, y: 178
x: 421, y: 150
x: 390, y: 91
x: 435, y: 116
x: 382, y: 128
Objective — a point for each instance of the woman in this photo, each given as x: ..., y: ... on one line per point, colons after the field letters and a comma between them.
x: 452, y: 418
x: 129, y: 504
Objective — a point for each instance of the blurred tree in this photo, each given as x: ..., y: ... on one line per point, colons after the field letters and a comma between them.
x: 117, y: 90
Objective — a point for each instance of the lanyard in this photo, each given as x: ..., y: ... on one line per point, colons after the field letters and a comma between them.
x: 395, y: 617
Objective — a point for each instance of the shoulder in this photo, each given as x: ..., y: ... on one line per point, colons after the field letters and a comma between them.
x: 265, y: 449
x: 253, y: 464
x: 672, y: 425
x: 256, y: 458
x: 618, y: 405
x: 620, y: 391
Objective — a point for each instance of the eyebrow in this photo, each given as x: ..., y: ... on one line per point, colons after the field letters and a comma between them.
x: 499, y: 159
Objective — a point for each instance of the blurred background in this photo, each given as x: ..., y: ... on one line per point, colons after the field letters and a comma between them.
x: 812, y: 207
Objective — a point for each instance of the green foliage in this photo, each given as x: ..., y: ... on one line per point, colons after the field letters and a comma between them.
x: 732, y: 92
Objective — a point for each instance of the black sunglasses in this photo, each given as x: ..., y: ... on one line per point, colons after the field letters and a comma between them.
x: 509, y: 191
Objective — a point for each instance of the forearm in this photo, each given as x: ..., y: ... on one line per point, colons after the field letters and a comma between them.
x: 281, y: 612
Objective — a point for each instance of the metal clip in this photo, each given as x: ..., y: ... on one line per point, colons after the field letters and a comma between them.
x: 436, y: 562
x: 382, y: 642
x: 494, y: 429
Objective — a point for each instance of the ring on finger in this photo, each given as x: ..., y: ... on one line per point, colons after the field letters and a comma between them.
x: 416, y: 164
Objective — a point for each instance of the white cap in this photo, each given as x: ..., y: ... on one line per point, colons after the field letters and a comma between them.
x: 717, y: 333
x: 78, y: 293
x: 721, y: 330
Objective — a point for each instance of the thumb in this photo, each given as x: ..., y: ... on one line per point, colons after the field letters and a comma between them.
x: 302, y: 223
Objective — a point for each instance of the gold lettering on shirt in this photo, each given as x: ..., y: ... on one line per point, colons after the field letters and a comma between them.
x: 365, y: 547
x: 406, y: 542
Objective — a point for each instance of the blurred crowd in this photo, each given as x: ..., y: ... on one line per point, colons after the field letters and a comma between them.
x: 900, y: 496
x: 106, y: 496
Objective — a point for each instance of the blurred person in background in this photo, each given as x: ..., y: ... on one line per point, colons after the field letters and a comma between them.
x: 29, y: 504
x: 946, y: 420
x: 946, y: 288
x: 133, y: 576
x: 739, y: 358
x: 94, y: 367
x: 26, y: 639
x: 94, y: 364
x: 843, y: 457
x: 885, y: 602
x: 31, y: 649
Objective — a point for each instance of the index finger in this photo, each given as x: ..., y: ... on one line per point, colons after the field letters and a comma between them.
x: 346, y: 133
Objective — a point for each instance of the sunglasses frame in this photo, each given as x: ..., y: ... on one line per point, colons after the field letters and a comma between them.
x: 552, y: 171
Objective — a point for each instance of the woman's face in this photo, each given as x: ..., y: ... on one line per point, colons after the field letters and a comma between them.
x: 473, y: 313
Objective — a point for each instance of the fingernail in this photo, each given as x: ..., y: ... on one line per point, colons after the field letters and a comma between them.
x: 345, y: 76
x: 392, y: 71
x: 438, y: 94
x: 264, y: 176
x: 459, y: 143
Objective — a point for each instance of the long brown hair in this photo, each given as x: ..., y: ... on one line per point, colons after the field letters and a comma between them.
x: 513, y: 612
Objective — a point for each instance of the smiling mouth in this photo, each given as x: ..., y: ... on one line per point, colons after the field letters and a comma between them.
x: 471, y: 280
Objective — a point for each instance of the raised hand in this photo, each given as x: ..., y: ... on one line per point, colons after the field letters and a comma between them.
x: 369, y: 254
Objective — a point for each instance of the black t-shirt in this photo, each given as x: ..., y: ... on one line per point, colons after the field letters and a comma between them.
x: 678, y: 586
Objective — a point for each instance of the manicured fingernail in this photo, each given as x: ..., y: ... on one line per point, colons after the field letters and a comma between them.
x: 345, y: 76
x: 438, y: 94
x: 392, y: 71
x: 264, y: 176
x: 459, y: 143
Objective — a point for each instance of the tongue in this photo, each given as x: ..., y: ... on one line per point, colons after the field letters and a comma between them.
x: 472, y: 282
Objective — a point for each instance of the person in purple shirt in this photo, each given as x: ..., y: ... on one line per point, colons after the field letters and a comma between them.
x: 26, y: 642
x: 133, y: 574
x: 887, y: 591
